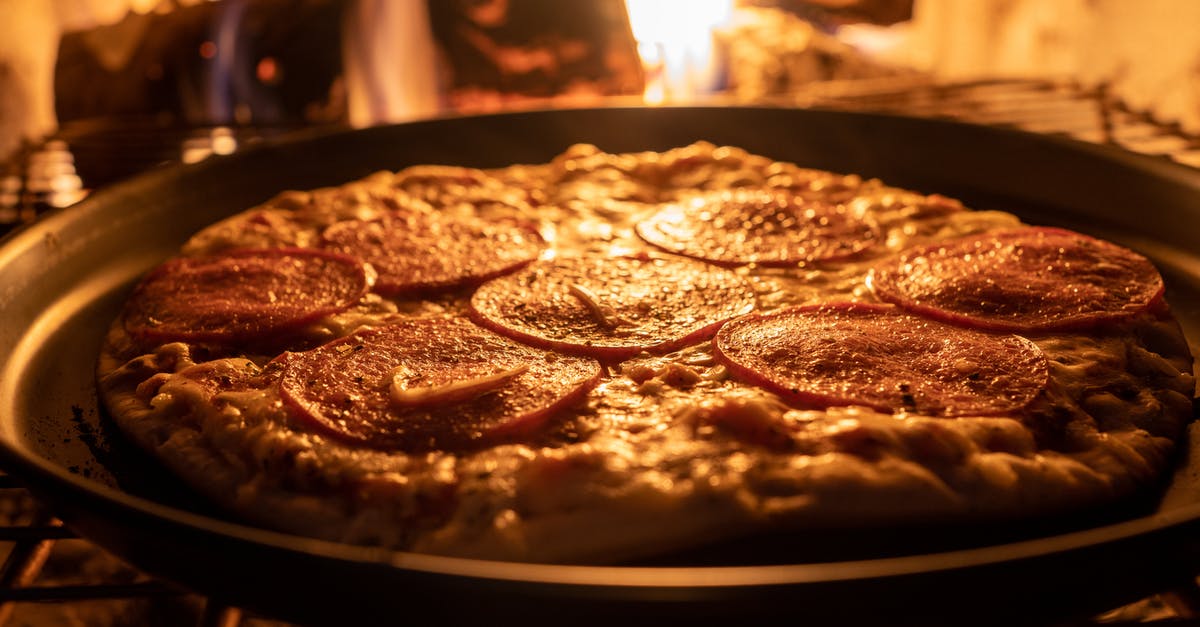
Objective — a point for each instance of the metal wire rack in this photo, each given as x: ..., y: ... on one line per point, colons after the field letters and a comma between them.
x: 1087, y: 113
x: 35, y: 588
x: 87, y: 586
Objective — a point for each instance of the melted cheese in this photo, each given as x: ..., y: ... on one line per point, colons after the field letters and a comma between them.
x: 407, y: 389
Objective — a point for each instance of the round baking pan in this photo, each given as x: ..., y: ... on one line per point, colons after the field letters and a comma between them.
x: 63, y: 278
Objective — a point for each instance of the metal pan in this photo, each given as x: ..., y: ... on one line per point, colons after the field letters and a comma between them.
x: 63, y: 278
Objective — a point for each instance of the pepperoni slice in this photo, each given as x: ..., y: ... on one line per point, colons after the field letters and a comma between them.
x: 612, y: 308
x: 348, y: 388
x: 881, y: 357
x: 768, y: 228
x: 422, y: 252
x: 1028, y: 279
x: 243, y: 295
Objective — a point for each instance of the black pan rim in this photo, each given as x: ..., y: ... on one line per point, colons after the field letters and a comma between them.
x: 65, y: 484
x: 1160, y: 166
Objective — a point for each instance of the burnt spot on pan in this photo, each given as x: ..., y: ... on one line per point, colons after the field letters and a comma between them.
x: 118, y: 463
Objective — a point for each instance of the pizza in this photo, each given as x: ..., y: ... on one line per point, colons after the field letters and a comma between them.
x: 612, y: 356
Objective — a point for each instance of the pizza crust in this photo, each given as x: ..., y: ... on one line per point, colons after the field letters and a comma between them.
x: 668, y: 452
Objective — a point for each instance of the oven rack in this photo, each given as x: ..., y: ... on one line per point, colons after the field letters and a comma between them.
x: 1088, y: 113
x: 34, y: 590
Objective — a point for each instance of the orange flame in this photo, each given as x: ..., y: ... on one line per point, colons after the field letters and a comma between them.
x: 675, y: 41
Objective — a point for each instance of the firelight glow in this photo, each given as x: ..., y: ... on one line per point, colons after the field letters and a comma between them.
x: 675, y: 41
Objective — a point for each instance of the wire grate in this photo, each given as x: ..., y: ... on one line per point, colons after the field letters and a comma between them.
x: 1089, y: 114
x: 34, y: 592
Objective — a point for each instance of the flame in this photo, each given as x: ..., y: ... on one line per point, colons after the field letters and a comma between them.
x: 675, y: 41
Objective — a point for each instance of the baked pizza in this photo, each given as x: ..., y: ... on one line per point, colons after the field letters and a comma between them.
x: 611, y: 356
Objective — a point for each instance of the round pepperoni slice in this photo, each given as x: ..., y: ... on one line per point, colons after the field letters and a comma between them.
x: 430, y: 384
x: 243, y: 295
x: 422, y: 252
x: 612, y: 308
x: 767, y: 228
x: 1029, y: 279
x: 881, y: 357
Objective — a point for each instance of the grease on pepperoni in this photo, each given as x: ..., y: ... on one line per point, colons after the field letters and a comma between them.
x: 612, y: 307
x: 417, y: 251
x: 881, y: 357
x: 243, y: 295
x: 345, y: 389
x: 1028, y: 279
x: 767, y: 228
